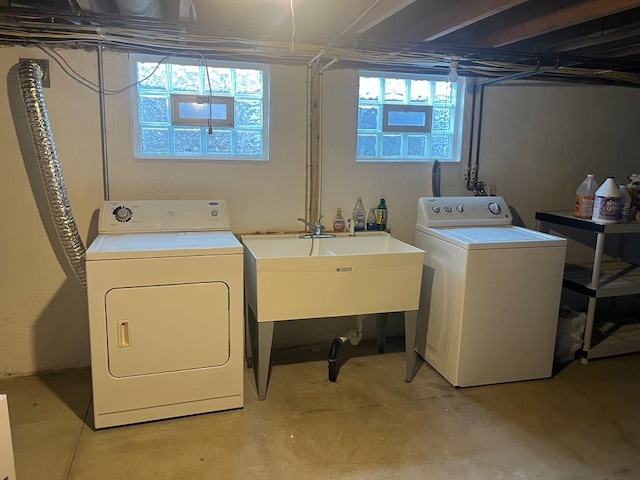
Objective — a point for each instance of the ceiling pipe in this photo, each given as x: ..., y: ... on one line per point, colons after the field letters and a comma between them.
x: 140, y: 8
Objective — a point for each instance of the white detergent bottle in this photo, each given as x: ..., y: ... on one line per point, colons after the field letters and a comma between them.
x: 606, y: 206
x: 625, y: 203
x: 585, y: 195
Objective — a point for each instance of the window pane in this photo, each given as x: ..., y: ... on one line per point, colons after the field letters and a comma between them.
x: 395, y: 90
x: 174, y: 106
x: 249, y: 143
x: 219, y: 142
x: 391, y: 146
x: 157, y: 80
x: 417, y: 146
x: 248, y: 82
x: 369, y: 89
x: 406, y: 118
x: 220, y: 79
x: 368, y: 118
x: 154, y: 141
x: 248, y: 113
x: 367, y: 146
x: 420, y: 91
x: 185, y: 78
x: 415, y: 117
x: 187, y: 141
x: 153, y: 109
x: 201, y: 110
x: 442, y: 120
x: 193, y: 110
x: 441, y: 146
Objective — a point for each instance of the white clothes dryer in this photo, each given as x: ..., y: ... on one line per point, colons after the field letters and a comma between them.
x: 490, y: 292
x: 165, y: 293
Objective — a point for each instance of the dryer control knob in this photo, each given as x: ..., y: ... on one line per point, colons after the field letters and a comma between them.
x: 460, y: 208
x: 495, y: 208
x: 436, y: 209
x: 122, y: 214
x: 447, y: 209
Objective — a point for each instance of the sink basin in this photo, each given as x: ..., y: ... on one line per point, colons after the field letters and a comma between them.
x: 288, y: 277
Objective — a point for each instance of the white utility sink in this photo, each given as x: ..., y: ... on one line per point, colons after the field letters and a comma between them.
x: 291, y: 278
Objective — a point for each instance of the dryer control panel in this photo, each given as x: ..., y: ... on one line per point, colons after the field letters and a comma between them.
x: 462, y: 211
x: 148, y: 216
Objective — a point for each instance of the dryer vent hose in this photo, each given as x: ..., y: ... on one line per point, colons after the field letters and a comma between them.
x: 30, y: 78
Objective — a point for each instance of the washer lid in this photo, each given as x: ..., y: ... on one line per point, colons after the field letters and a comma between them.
x: 495, y: 237
x: 168, y: 244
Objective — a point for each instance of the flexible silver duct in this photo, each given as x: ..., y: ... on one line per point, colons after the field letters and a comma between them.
x: 30, y: 77
x: 140, y: 8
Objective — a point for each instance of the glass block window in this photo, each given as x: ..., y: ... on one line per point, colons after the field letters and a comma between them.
x: 189, y: 108
x: 403, y: 117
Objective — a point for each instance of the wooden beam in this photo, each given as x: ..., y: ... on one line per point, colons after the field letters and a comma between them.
x: 379, y: 13
x: 454, y: 16
x: 432, y: 19
x: 619, y: 52
x: 543, y: 17
x: 601, y: 37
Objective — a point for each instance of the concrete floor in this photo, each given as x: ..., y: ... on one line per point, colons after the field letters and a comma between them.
x: 584, y: 423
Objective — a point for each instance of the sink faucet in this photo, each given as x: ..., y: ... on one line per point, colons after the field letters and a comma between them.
x: 316, y: 229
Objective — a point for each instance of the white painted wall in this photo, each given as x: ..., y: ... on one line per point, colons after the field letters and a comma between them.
x: 538, y: 143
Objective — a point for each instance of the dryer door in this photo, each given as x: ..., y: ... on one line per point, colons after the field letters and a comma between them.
x: 167, y: 328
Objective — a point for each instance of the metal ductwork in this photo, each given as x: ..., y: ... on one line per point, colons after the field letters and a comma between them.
x: 140, y: 8
x: 30, y: 78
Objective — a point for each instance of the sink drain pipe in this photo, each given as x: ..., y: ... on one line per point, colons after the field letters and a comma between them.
x: 353, y: 336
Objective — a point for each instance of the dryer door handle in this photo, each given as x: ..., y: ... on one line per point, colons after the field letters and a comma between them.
x: 124, y: 339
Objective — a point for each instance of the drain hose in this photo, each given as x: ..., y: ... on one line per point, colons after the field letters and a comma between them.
x: 30, y: 78
x: 333, y: 358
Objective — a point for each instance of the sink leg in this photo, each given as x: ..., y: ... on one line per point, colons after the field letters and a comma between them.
x: 381, y: 327
x: 263, y: 357
x: 410, y: 326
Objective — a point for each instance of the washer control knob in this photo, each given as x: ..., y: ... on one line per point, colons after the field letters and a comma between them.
x: 495, y: 208
x: 122, y: 214
x: 447, y: 209
x: 460, y: 208
x: 214, y: 213
x: 436, y: 209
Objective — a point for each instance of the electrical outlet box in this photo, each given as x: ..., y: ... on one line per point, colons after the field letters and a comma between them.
x: 44, y: 65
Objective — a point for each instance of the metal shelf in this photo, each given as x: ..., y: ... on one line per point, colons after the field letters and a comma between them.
x: 601, y: 279
x: 614, y: 339
x: 567, y: 219
x: 616, y: 279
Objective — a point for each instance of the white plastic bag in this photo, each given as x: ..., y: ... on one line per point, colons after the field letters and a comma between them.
x: 569, y: 336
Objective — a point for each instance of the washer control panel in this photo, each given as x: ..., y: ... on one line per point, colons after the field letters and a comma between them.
x: 148, y: 216
x: 462, y: 211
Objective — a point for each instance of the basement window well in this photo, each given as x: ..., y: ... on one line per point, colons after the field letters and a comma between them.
x: 197, y: 109
x: 409, y: 118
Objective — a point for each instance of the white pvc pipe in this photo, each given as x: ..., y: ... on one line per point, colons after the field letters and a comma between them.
x: 354, y: 335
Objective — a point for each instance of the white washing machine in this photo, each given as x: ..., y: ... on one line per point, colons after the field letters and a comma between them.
x: 165, y: 291
x: 490, y: 292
